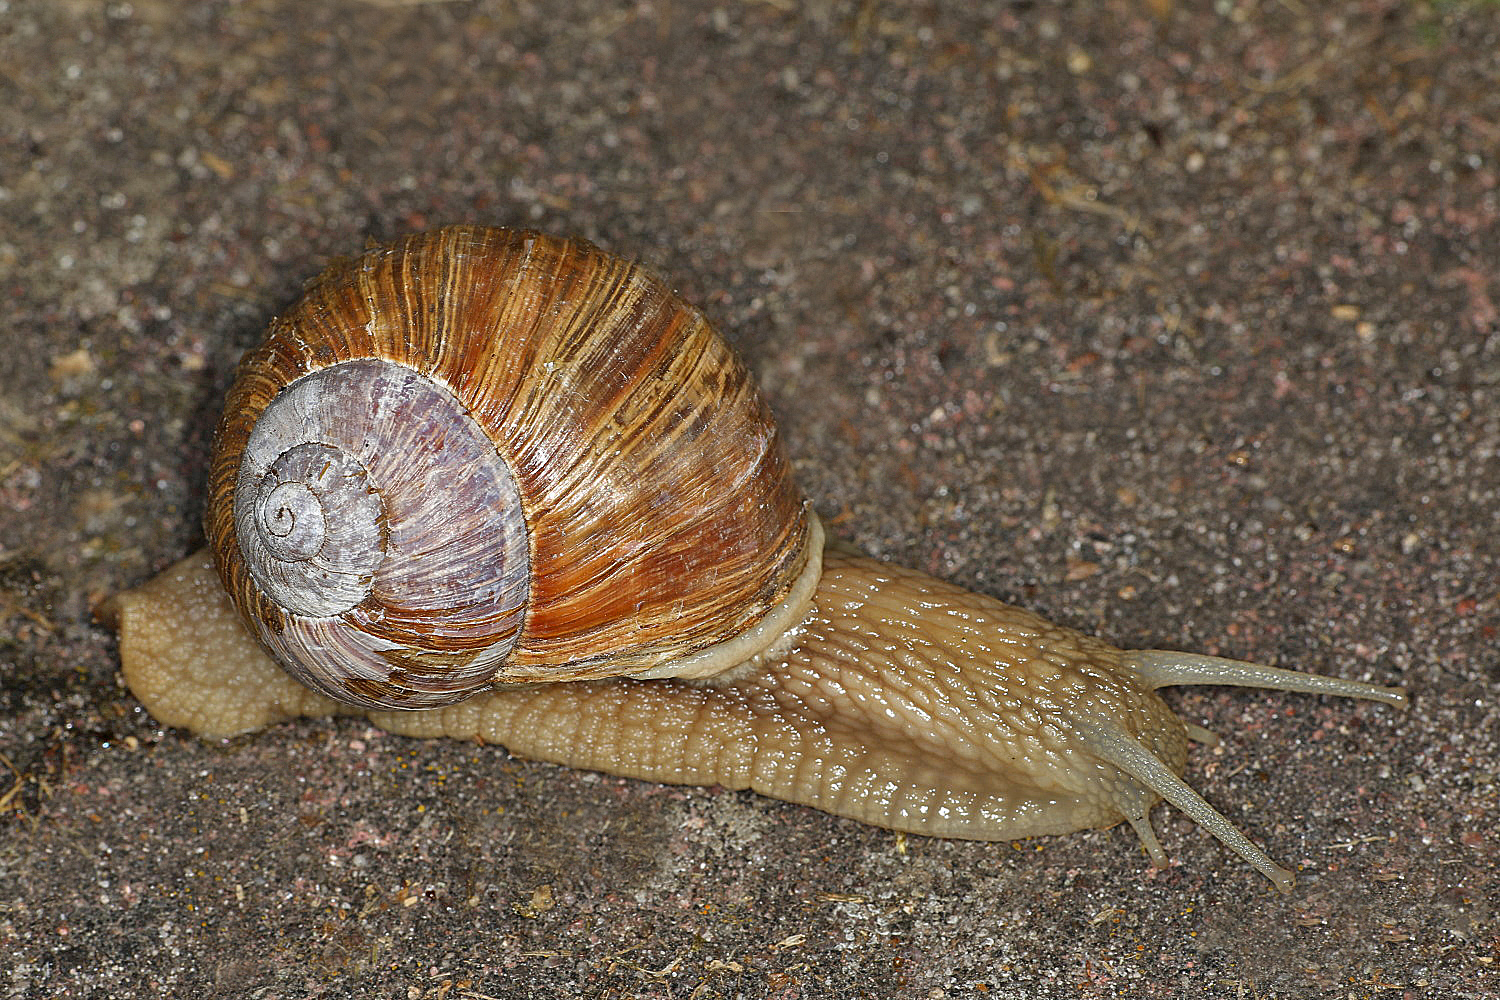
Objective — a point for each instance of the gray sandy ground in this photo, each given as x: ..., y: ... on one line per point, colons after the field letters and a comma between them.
x: 1174, y: 323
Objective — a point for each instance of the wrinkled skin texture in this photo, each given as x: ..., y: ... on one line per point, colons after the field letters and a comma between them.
x: 900, y: 701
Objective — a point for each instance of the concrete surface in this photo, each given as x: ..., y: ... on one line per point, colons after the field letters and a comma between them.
x: 1177, y: 323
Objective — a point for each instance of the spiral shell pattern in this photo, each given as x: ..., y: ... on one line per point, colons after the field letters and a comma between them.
x: 365, y: 537
x: 481, y: 455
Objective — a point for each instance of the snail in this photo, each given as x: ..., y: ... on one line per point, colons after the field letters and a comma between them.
x: 485, y: 483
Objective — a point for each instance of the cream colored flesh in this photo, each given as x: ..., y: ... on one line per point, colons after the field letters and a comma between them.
x: 904, y: 702
x: 187, y: 656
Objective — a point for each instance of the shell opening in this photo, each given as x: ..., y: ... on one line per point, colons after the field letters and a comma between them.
x: 776, y: 626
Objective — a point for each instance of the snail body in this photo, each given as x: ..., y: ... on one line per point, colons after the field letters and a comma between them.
x: 477, y: 463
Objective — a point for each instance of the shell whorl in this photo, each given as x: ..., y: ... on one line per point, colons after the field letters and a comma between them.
x: 365, y: 535
x: 481, y: 455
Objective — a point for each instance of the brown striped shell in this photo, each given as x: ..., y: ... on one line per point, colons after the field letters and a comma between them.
x: 481, y: 455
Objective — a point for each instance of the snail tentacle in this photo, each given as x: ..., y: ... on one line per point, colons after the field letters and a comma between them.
x: 1141, y: 824
x: 1161, y: 668
x: 1117, y: 747
x: 1198, y: 734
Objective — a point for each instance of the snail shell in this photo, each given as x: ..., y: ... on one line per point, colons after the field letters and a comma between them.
x: 483, y: 455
